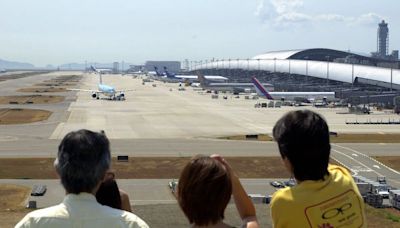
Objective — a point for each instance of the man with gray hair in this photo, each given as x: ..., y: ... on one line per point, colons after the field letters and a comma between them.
x: 82, y: 161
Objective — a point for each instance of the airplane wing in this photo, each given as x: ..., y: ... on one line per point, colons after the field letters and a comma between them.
x: 186, y: 76
x: 123, y: 90
x: 85, y: 90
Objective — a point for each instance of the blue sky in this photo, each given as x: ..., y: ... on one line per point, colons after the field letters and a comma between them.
x: 62, y: 31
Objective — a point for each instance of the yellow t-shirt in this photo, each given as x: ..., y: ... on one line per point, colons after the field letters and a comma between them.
x: 332, y: 202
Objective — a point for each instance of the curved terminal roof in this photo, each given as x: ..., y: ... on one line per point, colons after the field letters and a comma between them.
x: 313, y: 62
x: 319, y: 54
x: 277, y: 54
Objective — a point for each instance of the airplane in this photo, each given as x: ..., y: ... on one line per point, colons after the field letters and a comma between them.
x: 3, y: 70
x: 158, y: 73
x: 100, y: 70
x: 234, y: 87
x: 192, y: 77
x: 306, y: 97
x: 104, y: 89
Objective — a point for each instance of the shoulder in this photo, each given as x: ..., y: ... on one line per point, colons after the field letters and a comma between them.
x: 339, y: 173
x: 125, y: 217
x: 54, y: 211
x: 49, y: 212
x: 281, y: 197
x: 133, y: 219
x: 338, y: 169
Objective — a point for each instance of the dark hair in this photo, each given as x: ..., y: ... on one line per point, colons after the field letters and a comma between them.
x: 108, y: 194
x: 204, y: 190
x: 303, y: 138
x: 82, y: 160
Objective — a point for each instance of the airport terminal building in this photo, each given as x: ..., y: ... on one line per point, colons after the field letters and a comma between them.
x: 319, y: 69
x: 173, y: 66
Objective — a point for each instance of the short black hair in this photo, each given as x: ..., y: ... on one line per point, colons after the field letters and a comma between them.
x: 303, y: 138
x: 82, y: 161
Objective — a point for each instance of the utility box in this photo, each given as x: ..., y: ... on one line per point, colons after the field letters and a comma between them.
x: 123, y: 158
x: 31, y: 204
x: 363, y: 187
x: 374, y: 200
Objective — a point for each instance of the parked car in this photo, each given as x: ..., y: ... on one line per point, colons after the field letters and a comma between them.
x: 277, y: 184
x: 38, y: 190
x: 291, y: 182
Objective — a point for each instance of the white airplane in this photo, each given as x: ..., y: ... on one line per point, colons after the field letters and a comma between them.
x: 3, y: 70
x: 173, y: 76
x: 104, y: 89
x: 101, y: 70
x: 234, y: 87
x: 294, y: 96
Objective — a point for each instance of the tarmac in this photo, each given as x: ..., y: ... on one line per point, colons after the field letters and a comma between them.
x: 158, y: 120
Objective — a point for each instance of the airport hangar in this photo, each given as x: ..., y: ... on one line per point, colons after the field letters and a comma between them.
x: 355, y: 77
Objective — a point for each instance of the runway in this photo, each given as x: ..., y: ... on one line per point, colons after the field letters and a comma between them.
x: 161, y: 111
x: 160, y: 121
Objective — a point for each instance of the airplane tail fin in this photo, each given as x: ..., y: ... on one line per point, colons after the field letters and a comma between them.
x: 157, y: 72
x: 201, y: 78
x: 96, y: 71
x: 260, y: 89
x: 93, y: 68
x: 169, y: 75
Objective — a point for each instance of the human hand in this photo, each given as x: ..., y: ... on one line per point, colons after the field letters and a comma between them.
x: 109, y: 175
x: 222, y: 161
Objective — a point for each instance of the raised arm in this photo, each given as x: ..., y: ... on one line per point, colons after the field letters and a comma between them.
x: 243, y: 203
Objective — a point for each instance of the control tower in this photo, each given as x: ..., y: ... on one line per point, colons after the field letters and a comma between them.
x: 383, y: 40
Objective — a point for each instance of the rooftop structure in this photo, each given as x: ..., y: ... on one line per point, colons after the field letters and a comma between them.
x: 383, y: 39
x: 382, y: 44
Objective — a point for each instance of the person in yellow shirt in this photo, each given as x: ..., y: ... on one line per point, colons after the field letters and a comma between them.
x: 326, y: 195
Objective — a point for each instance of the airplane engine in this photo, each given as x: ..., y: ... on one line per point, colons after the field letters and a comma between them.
x: 94, y: 95
x: 122, y: 94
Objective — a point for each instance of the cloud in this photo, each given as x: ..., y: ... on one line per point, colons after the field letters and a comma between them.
x: 331, y: 17
x: 286, y: 13
x: 286, y: 6
x: 368, y: 19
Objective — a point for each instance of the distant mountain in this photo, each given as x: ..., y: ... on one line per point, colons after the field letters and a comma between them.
x: 4, y: 64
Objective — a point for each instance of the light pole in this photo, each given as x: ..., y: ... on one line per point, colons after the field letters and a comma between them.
x: 306, y: 68
x: 352, y: 75
x: 274, y: 65
x: 327, y: 70
x: 391, y: 78
x: 289, y: 66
